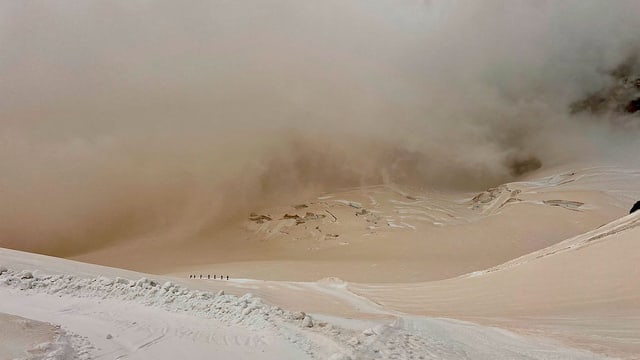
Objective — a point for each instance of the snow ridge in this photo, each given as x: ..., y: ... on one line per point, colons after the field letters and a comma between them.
x: 245, y: 310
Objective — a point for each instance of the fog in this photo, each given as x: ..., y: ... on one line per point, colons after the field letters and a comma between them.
x: 128, y: 119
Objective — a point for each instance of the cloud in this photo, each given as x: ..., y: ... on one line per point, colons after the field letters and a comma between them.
x: 122, y: 120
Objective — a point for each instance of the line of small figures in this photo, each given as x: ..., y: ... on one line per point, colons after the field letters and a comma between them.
x: 208, y: 277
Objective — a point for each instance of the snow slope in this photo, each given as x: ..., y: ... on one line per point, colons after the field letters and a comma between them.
x: 388, y: 234
x: 153, y: 318
x: 583, y: 290
x: 32, y: 339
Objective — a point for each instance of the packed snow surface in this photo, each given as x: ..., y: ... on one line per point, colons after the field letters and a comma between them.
x: 117, y: 318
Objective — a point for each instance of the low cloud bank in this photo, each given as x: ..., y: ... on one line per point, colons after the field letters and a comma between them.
x: 122, y: 120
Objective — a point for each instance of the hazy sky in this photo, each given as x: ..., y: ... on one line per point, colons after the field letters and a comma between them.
x: 124, y: 118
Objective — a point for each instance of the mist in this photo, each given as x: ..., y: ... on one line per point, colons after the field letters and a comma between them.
x: 122, y: 120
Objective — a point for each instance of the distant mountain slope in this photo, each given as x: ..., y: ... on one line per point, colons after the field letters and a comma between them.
x: 394, y: 234
x: 621, y: 96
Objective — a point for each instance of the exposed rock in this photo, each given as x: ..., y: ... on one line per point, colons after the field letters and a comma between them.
x: 633, y: 106
x: 260, y: 219
x: 489, y: 195
x: 622, y: 96
x: 309, y: 216
x: 299, y: 220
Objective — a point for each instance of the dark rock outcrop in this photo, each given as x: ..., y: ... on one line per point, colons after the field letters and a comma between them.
x: 260, y: 219
x: 633, y: 106
x: 621, y: 96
